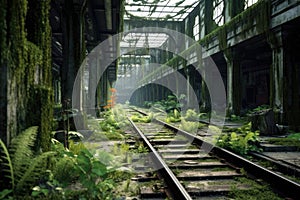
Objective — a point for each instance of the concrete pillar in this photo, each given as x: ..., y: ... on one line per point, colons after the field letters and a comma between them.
x: 285, y: 72
x: 187, y: 88
x: 73, y: 41
x: 205, y: 96
x: 93, y: 63
x: 233, y: 82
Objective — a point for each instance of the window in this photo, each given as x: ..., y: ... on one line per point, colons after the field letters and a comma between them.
x: 249, y: 3
x: 218, y: 15
x: 196, y: 29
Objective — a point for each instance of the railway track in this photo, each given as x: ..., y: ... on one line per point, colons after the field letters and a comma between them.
x: 192, y: 168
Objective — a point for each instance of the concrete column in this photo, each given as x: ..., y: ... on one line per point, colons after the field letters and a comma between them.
x: 73, y: 40
x: 188, y: 89
x: 233, y: 82
x: 93, y: 63
x: 284, y: 83
x: 205, y: 96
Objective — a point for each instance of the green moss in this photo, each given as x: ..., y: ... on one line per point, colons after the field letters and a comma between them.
x: 294, y: 142
x: 39, y: 32
x: 255, y: 191
x: 259, y: 13
x: 34, y: 59
x: 3, y: 28
x: 40, y: 112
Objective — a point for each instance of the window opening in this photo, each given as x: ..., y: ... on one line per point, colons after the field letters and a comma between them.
x: 196, y: 29
x: 218, y: 15
x: 249, y: 3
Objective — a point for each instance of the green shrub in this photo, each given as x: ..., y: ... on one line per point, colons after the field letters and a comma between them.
x: 188, y: 126
x: 242, y: 141
x: 191, y: 115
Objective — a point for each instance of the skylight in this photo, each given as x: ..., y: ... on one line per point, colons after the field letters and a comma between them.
x: 159, y: 10
x: 143, y: 40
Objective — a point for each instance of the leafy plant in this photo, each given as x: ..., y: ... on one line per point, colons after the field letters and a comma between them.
x: 6, y: 171
x: 259, y: 109
x: 144, y: 119
x: 173, y: 116
x: 242, y: 141
x: 22, y: 169
x: 191, y: 115
x: 188, y: 126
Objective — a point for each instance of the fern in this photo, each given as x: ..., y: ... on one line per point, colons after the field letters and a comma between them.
x: 21, y: 150
x: 37, y: 167
x: 6, y: 168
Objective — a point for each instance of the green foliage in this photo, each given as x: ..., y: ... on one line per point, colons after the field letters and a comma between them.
x: 7, y: 179
x: 51, y: 186
x: 189, y: 126
x: 21, y: 150
x: 259, y: 108
x: 140, y: 148
x: 25, y: 168
x: 191, y: 115
x: 141, y: 118
x: 255, y: 191
x: 36, y: 167
x: 242, y: 141
x: 173, y: 116
x: 235, y: 118
x: 115, y: 118
x: 93, y: 175
x: 295, y: 136
x: 292, y: 141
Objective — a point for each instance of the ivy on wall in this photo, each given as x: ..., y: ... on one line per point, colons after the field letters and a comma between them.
x: 23, y: 60
x: 39, y: 32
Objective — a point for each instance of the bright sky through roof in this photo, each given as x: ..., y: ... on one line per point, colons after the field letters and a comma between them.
x: 163, y: 9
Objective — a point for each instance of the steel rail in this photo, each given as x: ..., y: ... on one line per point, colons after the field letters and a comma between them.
x: 278, y: 182
x: 176, y: 188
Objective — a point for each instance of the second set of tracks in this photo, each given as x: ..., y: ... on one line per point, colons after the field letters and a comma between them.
x: 192, y: 168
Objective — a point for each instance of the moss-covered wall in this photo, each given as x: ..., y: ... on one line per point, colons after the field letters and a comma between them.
x: 24, y: 65
x: 3, y: 68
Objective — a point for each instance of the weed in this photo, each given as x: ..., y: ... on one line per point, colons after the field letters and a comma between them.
x: 242, y: 141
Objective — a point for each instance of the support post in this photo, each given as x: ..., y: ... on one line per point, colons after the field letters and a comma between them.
x: 73, y: 46
x: 233, y: 82
x: 284, y: 83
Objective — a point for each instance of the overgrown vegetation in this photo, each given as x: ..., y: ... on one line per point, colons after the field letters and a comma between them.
x: 292, y: 140
x: 241, y: 141
x: 73, y: 173
x: 255, y: 191
x: 21, y: 167
x: 140, y: 118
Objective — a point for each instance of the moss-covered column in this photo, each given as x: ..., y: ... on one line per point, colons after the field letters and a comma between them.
x: 41, y: 95
x: 12, y: 62
x: 284, y: 83
x: 4, y: 73
x: 233, y: 82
